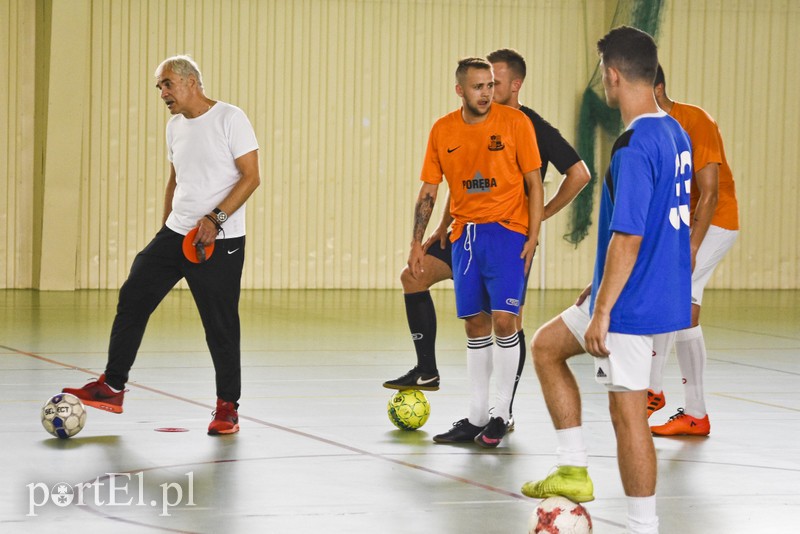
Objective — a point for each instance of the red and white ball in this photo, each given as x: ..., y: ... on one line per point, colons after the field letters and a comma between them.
x: 559, y: 515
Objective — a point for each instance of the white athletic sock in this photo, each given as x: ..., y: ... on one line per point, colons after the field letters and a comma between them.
x: 571, y: 447
x: 691, y: 349
x: 479, y: 371
x: 642, y: 518
x: 662, y: 346
x: 506, y: 362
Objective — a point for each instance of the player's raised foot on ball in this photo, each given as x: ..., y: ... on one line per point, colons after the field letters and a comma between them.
x: 655, y: 401
x: 226, y: 419
x: 415, y: 379
x: 567, y: 481
x: 492, y: 434
x: 98, y: 394
x: 462, y: 432
x: 683, y: 424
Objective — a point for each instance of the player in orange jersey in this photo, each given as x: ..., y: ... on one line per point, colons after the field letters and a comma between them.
x: 715, y: 227
x: 489, y: 155
x: 510, y: 70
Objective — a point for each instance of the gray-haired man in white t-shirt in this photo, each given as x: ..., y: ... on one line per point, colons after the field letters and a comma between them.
x: 213, y: 154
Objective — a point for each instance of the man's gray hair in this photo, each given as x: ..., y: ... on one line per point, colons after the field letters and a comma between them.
x: 183, y: 66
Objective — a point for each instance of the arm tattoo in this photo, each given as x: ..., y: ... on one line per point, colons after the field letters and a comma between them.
x: 422, y: 214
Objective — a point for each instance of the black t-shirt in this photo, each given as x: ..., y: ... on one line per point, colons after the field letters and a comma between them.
x: 552, y: 146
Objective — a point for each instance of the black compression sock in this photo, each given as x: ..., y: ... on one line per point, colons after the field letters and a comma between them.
x: 421, y: 315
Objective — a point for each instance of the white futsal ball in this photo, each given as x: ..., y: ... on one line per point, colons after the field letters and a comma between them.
x: 559, y: 515
x: 63, y: 415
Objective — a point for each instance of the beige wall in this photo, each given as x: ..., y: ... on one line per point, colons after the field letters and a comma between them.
x: 342, y: 95
x: 17, y: 45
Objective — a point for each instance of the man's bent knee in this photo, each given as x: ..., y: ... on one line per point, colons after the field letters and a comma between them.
x: 413, y: 284
x: 553, y: 343
x: 433, y: 272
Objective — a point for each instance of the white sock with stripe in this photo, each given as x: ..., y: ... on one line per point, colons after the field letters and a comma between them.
x: 479, y: 371
x: 691, y: 349
x: 662, y: 346
x: 506, y: 362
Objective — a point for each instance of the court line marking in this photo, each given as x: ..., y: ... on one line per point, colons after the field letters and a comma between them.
x: 320, y: 439
x: 751, y: 332
x: 750, y: 365
x: 734, y: 397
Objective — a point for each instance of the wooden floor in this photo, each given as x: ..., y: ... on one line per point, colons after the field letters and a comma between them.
x: 317, y: 453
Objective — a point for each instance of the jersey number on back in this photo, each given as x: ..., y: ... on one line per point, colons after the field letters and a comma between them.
x: 683, y: 178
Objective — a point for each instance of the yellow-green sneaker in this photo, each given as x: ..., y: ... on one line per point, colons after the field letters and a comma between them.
x: 568, y: 481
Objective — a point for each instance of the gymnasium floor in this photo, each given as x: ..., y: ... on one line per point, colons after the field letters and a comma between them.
x: 317, y: 452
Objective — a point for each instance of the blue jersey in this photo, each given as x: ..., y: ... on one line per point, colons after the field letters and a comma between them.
x: 646, y: 193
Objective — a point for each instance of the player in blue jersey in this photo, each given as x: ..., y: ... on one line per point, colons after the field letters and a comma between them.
x: 641, y: 281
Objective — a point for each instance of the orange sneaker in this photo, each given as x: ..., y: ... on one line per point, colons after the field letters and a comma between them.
x: 683, y: 424
x: 655, y: 402
x: 99, y: 395
x: 226, y: 419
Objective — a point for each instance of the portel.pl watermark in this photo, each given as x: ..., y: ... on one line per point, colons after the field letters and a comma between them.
x: 111, y: 489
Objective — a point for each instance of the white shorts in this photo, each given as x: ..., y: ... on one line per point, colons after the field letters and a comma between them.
x: 717, y: 242
x: 628, y: 366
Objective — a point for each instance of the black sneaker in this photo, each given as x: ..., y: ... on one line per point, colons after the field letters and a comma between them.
x: 462, y: 432
x: 414, y: 379
x: 491, y: 436
x: 510, y: 425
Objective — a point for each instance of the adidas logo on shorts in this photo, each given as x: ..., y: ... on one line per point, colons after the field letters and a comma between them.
x: 601, y: 373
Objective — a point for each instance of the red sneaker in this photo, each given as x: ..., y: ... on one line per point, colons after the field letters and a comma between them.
x: 226, y: 419
x: 655, y: 401
x: 683, y: 424
x: 99, y: 395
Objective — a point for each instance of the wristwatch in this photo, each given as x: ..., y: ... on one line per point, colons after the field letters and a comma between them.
x: 221, y: 215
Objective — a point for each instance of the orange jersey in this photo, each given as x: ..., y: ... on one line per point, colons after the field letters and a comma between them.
x: 707, y: 148
x: 484, y: 165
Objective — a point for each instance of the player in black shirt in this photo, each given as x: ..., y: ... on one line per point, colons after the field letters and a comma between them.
x: 509, y: 73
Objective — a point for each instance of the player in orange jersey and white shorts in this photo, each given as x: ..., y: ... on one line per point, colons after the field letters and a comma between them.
x: 714, y: 227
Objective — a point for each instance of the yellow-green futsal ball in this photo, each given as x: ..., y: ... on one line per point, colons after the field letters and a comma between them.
x: 408, y: 409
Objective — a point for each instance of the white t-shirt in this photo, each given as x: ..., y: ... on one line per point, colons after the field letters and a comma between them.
x: 203, y: 151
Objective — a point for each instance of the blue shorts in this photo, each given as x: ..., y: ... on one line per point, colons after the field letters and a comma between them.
x: 488, y: 273
x: 446, y: 255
